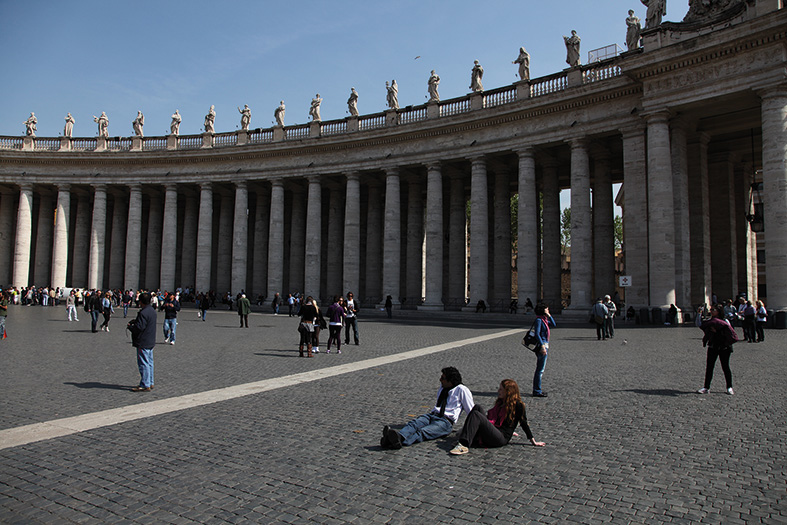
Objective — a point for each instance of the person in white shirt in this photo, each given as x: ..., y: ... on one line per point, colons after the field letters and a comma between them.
x: 452, y: 398
x: 352, y: 319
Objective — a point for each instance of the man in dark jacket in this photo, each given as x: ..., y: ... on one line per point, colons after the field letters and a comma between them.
x: 145, y: 341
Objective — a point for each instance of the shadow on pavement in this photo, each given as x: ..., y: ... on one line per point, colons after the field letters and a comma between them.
x: 94, y: 384
x: 656, y: 392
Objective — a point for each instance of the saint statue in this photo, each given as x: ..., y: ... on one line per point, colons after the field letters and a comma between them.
x: 392, y: 97
x: 137, y: 123
x: 352, y: 103
x: 633, y: 31
x: 245, y: 117
x: 69, y: 127
x: 476, y: 74
x: 278, y: 114
x: 174, y: 126
x: 314, y: 110
x: 656, y: 9
x: 103, y: 124
x: 524, y: 64
x: 210, y: 120
x: 30, y: 125
x: 572, y: 49
x: 434, y: 82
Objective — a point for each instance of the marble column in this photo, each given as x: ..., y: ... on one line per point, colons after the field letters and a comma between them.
x: 374, y: 225
x: 699, y: 220
x: 153, y: 247
x: 661, y: 211
x: 313, y: 249
x: 42, y: 262
x: 434, y: 238
x: 528, y: 249
x: 204, y: 238
x: 169, y: 238
x: 743, y: 176
x: 724, y: 246
x: 95, y: 272
x: 259, y: 272
x: 188, y: 253
x: 81, y: 248
x: 552, y: 262
x: 457, y: 241
x: 133, y: 238
x: 334, y: 254
x: 635, y: 216
x: 60, y: 244
x: 392, y: 237
x: 479, y: 233
x: 24, y: 236
x: 351, y: 275
x: 7, y: 210
x: 774, y: 177
x: 240, y: 238
x: 680, y: 188
x: 276, y: 240
x: 581, y: 232
x: 117, y: 243
x: 297, y: 265
x: 224, y: 253
x: 501, y: 242
x: 603, y: 226
x: 414, y: 250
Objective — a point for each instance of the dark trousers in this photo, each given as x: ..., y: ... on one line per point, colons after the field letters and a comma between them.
x: 244, y: 319
x: 335, y: 335
x: 351, y: 322
x: 601, y: 330
x: 94, y: 320
x: 478, y: 431
x: 723, y: 354
x: 107, y: 317
x: 760, y: 331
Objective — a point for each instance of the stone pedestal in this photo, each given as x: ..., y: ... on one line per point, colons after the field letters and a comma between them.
x: 172, y: 142
x: 243, y: 137
x: 314, y: 129
x: 352, y: 124
x: 28, y: 144
x: 65, y: 144
x: 207, y: 140
x: 522, y: 89
x: 477, y: 100
x: 433, y: 109
x: 278, y: 133
x: 136, y: 143
x: 101, y: 144
x: 574, y: 77
x: 391, y: 117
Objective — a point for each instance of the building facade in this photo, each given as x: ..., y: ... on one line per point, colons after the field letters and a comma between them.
x: 377, y: 204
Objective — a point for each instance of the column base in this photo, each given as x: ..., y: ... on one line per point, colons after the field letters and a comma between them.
x: 436, y: 307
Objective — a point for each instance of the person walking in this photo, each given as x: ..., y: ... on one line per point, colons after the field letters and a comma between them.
x: 319, y: 325
x: 145, y: 328
x: 351, y: 321
x: 275, y: 303
x: 306, y: 326
x: 762, y: 318
x: 389, y: 306
x: 204, y: 305
x: 541, y: 325
x: 71, y: 306
x: 107, y: 310
x: 3, y: 313
x: 93, y: 306
x: 290, y: 305
x: 610, y: 321
x: 599, y: 314
x: 719, y: 338
x: 336, y: 316
x: 244, y: 309
x: 171, y: 307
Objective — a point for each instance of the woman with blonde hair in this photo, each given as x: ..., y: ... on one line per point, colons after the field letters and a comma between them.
x: 495, y: 428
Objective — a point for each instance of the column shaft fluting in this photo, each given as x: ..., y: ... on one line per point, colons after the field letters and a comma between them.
x: 297, y: 264
x: 374, y: 227
x: 260, y: 263
x: 392, y: 237
x: 581, y: 232
x: 204, y: 238
x: 153, y: 242
x: 351, y: 265
x: 457, y: 242
x: 42, y: 262
x: 479, y: 233
x: 81, y: 251
x: 60, y: 245
x: 635, y: 216
x: 603, y: 228
x: 224, y: 245
x: 680, y: 186
x: 276, y: 240
x: 169, y: 238
x: 527, y: 225
x: 95, y: 273
x: 133, y: 238
x: 501, y: 241
x: 699, y: 221
x: 313, y: 248
x: 434, y: 237
x: 552, y: 263
x: 24, y: 237
x: 414, y: 254
x: 335, y: 243
x: 240, y: 238
x: 188, y: 254
x: 117, y: 246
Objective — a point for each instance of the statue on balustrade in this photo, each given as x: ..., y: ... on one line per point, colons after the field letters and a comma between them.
x: 138, y: 123
x: 352, y: 102
x: 524, y: 64
x: 103, y: 124
x: 392, y: 98
x: 572, y: 49
x: 245, y: 117
x: 30, y: 125
x: 633, y: 31
x: 210, y: 120
x: 68, y: 130
x: 174, y: 127
x: 703, y: 10
x: 476, y: 74
x: 434, y: 82
x: 656, y: 9
x: 278, y: 114
x: 314, y: 110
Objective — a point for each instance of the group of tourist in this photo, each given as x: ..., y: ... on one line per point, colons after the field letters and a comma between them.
x: 343, y: 313
x: 602, y: 315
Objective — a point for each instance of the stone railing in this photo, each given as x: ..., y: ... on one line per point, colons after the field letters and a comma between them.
x: 520, y: 91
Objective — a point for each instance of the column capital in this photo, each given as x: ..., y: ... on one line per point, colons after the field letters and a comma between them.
x: 100, y: 187
x: 392, y: 172
x: 241, y: 184
x: 578, y: 142
x: 779, y: 90
x: 633, y: 130
x: 526, y: 151
x: 64, y: 187
x: 275, y: 183
x: 25, y: 186
x: 434, y: 165
x: 352, y: 175
x: 170, y: 186
x: 661, y: 115
x: 206, y: 186
x: 476, y: 159
x: 313, y: 179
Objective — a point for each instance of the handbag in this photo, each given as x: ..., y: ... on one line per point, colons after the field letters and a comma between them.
x: 530, y: 341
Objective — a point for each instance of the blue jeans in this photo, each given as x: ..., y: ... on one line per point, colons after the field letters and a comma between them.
x: 169, y: 329
x: 2, y: 326
x: 145, y: 362
x: 94, y: 320
x: 541, y: 363
x: 125, y: 309
x: 351, y: 322
x: 424, y: 428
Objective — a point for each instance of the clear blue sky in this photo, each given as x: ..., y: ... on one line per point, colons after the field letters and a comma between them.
x: 86, y: 57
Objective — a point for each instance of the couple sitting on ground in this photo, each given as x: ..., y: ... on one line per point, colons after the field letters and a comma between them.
x: 481, y: 429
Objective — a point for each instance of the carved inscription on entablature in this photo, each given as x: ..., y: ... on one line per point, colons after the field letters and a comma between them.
x: 715, y: 72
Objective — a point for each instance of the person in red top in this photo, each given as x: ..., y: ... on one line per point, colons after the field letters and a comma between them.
x: 495, y: 428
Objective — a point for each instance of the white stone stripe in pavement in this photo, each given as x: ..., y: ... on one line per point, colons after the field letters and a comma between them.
x: 14, y: 437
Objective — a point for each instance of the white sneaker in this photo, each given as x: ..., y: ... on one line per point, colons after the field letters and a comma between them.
x: 316, y: 350
x: 459, y: 449
x: 107, y: 329
x: 730, y: 391
x: 172, y: 342
x: 703, y: 391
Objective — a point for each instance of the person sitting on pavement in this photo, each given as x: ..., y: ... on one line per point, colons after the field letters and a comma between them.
x: 495, y: 428
x: 452, y: 398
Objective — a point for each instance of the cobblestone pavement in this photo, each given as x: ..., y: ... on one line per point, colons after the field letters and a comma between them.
x: 628, y: 440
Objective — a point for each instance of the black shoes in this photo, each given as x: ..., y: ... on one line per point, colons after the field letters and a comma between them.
x: 391, y: 438
x: 542, y: 394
